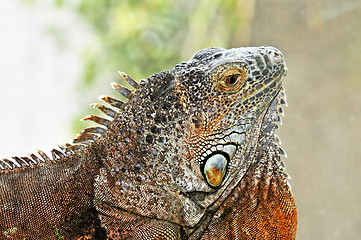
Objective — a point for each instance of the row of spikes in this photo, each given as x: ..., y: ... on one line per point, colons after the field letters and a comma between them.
x: 282, y: 102
x: 280, y: 113
x: 86, y: 136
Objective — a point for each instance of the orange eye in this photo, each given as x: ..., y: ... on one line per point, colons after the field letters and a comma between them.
x: 232, y: 79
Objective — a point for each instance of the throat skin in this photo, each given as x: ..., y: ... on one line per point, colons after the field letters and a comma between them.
x: 261, y: 205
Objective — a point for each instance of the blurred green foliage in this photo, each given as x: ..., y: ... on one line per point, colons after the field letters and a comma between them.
x: 143, y: 36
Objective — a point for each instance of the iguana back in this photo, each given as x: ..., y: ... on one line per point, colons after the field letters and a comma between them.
x: 191, y: 154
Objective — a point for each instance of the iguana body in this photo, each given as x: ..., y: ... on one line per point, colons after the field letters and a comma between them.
x: 191, y: 154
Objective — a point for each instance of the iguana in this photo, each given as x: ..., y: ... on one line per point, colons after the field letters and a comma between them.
x: 190, y: 154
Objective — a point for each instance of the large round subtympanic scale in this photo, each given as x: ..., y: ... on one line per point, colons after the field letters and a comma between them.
x: 216, y: 165
x: 215, y: 169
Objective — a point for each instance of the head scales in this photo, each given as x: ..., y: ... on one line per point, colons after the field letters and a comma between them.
x: 160, y: 141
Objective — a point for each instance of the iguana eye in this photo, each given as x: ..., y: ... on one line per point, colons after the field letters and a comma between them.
x: 232, y: 79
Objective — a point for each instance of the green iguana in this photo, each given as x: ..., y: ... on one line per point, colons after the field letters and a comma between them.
x: 190, y: 154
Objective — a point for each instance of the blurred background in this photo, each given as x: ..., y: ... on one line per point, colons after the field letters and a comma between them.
x: 57, y: 56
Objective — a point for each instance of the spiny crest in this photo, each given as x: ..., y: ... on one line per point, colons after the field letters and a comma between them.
x: 18, y: 162
x: 90, y: 134
x: 281, y: 101
x: 86, y: 136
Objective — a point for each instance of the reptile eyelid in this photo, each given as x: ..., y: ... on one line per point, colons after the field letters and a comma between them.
x: 240, y: 76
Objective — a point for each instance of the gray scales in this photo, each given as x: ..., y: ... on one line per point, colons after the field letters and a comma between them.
x: 190, y: 154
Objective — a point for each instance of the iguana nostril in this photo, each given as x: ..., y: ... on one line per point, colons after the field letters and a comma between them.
x: 277, y: 57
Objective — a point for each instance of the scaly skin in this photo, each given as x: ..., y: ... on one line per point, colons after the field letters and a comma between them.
x: 191, y: 154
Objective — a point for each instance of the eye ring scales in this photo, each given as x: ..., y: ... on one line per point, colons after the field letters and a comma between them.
x: 232, y: 79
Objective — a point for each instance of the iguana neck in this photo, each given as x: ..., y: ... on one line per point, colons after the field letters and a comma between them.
x: 265, y: 206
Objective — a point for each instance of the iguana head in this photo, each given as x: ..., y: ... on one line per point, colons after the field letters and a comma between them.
x: 225, y: 92
x: 186, y: 136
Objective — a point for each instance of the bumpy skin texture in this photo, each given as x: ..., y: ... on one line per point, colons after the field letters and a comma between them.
x: 191, y: 154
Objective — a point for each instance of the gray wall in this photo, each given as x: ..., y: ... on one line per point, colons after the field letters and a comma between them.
x: 321, y: 41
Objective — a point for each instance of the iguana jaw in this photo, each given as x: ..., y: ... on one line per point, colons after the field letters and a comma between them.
x: 212, y: 202
x: 240, y: 163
